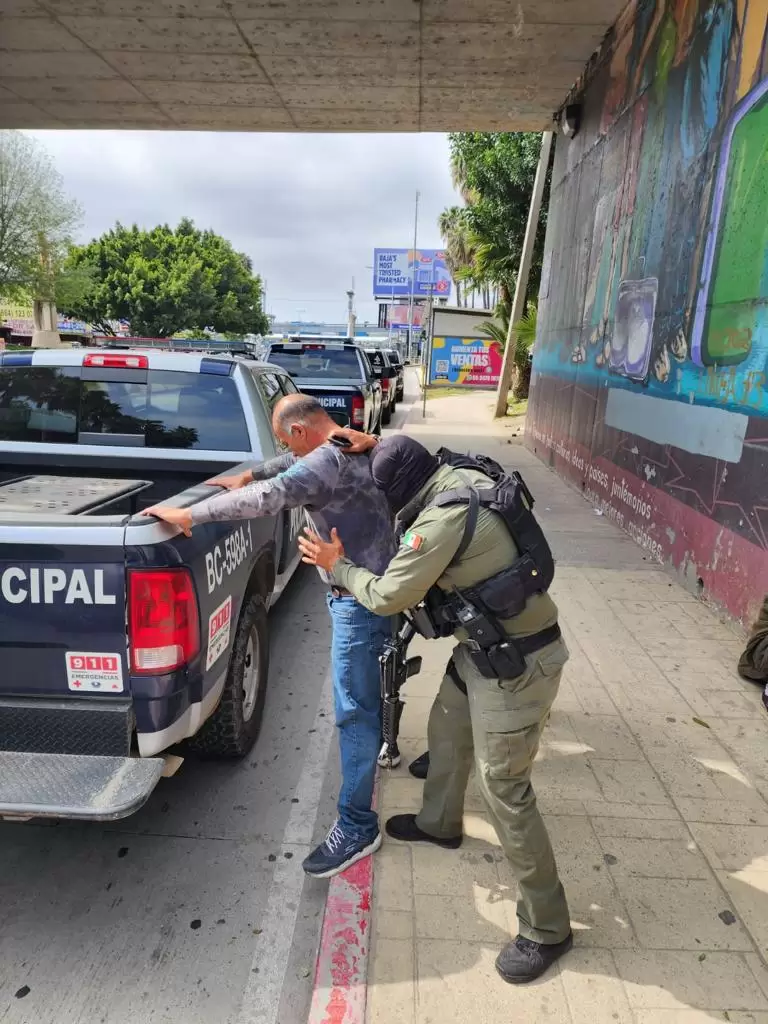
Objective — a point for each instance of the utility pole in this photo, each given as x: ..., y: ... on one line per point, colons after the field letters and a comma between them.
x: 526, y: 258
x: 413, y: 275
x: 427, y: 354
x: 351, y: 318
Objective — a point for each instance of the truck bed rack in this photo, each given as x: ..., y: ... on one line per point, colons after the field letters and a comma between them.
x: 67, y: 495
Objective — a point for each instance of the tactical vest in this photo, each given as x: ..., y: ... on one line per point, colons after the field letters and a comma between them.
x: 504, y: 594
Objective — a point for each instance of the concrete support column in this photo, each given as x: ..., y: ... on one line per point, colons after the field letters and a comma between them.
x: 45, y: 319
x: 526, y: 258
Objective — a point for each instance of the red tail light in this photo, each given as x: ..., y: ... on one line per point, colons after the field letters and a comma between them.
x: 116, y: 362
x: 385, y: 386
x: 358, y: 411
x: 163, y: 620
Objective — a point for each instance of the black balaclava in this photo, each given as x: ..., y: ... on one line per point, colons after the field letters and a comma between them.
x: 400, y: 467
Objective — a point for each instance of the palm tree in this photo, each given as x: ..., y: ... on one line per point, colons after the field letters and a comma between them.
x: 525, y: 336
x: 498, y: 328
x: 458, y: 251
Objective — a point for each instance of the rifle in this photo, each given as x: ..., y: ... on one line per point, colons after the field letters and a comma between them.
x: 394, y: 669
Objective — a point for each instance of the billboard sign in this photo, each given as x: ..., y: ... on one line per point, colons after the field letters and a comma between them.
x: 465, y: 362
x: 398, y: 316
x: 396, y: 271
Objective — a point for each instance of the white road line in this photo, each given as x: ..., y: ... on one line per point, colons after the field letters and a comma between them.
x: 261, y: 1000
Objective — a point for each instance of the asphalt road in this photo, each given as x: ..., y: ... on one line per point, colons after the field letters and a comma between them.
x: 194, y: 910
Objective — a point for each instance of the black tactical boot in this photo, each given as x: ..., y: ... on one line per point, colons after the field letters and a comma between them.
x: 404, y: 828
x: 420, y: 767
x: 523, y: 960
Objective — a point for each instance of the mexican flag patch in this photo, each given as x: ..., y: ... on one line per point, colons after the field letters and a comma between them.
x: 413, y: 540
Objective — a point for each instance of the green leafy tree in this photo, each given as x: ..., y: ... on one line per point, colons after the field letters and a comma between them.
x: 495, y: 172
x: 37, y: 220
x: 165, y: 280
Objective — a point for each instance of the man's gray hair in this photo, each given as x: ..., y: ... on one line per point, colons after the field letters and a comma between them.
x: 299, y: 409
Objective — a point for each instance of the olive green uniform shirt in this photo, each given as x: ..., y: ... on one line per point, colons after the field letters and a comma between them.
x: 434, y: 539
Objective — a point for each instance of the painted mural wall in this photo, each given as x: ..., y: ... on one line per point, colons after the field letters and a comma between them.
x: 650, y: 382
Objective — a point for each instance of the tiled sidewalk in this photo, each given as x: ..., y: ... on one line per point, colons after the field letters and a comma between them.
x: 654, y: 781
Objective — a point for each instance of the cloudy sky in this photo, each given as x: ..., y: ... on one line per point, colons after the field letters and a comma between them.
x: 308, y: 209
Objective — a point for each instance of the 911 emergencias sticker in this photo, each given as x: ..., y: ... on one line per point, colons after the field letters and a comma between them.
x: 218, y: 632
x: 94, y: 673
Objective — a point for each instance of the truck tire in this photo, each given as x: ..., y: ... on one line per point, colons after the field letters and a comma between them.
x: 376, y: 428
x: 234, y: 726
x: 386, y: 415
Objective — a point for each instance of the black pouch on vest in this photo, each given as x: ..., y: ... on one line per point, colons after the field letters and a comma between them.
x: 503, y: 594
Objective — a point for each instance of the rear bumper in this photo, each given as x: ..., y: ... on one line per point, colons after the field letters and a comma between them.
x: 75, y: 786
x: 86, y: 727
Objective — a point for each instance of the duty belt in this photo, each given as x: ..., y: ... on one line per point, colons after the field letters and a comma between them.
x: 526, y: 645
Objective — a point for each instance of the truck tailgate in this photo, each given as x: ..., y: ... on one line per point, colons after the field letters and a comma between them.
x: 63, y: 638
x: 336, y: 400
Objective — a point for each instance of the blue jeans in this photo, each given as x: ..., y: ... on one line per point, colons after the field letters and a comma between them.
x: 358, y: 638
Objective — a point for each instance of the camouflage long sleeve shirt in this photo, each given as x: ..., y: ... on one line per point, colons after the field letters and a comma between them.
x: 336, y: 490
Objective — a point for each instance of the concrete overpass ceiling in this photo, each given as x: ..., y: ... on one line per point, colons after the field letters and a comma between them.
x: 294, y: 65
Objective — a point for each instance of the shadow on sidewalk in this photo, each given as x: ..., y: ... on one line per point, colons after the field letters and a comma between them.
x: 657, y: 924
x: 653, y: 780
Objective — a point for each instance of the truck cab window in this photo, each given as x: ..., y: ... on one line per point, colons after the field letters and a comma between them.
x: 39, y: 403
x: 170, y: 410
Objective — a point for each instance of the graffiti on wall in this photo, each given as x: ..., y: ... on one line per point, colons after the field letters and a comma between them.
x: 656, y: 313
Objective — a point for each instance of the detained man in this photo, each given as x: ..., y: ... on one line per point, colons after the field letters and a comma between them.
x: 336, y: 491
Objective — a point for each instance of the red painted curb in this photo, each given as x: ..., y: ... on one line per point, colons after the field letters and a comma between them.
x: 341, y: 972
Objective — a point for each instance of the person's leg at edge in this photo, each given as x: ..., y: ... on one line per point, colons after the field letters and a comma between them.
x: 358, y: 638
x: 508, y: 717
x: 450, y: 744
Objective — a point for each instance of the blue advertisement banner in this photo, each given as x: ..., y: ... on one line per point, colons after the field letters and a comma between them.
x: 396, y: 271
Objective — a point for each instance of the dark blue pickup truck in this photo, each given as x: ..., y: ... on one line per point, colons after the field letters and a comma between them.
x: 338, y: 373
x: 121, y: 640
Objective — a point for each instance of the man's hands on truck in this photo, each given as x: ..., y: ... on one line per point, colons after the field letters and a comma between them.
x: 234, y: 482
x: 358, y: 444
x: 181, y: 517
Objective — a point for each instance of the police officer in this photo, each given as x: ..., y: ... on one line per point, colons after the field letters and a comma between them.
x: 497, y: 722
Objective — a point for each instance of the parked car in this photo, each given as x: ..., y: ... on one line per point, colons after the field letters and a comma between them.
x: 397, y: 363
x: 337, y: 372
x: 122, y: 638
x: 387, y: 374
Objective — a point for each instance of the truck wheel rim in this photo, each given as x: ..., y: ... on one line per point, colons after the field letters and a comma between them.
x: 251, y: 676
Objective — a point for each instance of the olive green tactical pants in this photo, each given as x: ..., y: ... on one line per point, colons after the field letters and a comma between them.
x: 499, y: 724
